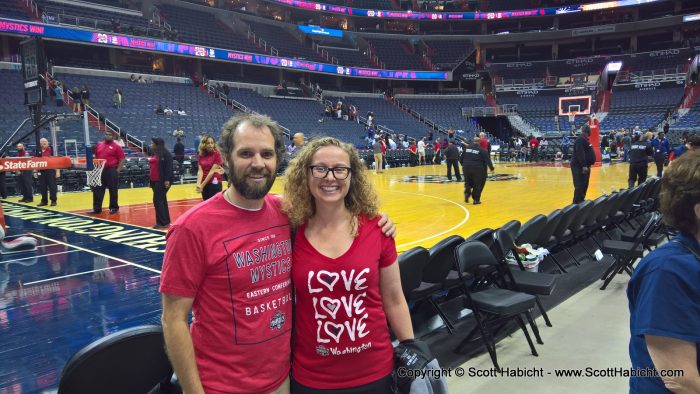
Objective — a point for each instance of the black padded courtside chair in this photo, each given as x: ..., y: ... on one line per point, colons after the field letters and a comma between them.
x: 130, y: 361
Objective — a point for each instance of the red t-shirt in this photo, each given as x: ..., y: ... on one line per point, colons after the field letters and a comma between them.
x: 484, y: 143
x: 412, y: 149
x: 111, y: 152
x: 436, y: 147
x: 154, y: 169
x: 341, y: 338
x: 236, y: 264
x: 22, y: 153
x: 207, y: 162
x: 534, y: 143
x: 46, y: 152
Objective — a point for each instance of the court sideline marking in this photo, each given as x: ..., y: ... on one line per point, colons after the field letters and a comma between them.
x: 75, y: 274
x: 97, y: 253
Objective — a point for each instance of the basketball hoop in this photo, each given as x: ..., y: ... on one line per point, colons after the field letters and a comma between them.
x: 94, y: 176
x: 572, y: 116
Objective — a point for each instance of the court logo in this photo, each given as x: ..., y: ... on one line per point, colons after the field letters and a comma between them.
x: 277, y: 321
x: 503, y: 177
x: 443, y: 179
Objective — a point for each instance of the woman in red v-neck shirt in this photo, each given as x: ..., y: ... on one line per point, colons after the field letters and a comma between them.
x: 346, y: 279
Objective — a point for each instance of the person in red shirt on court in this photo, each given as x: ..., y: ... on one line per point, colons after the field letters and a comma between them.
x: 534, y: 145
x: 345, y: 274
x: 484, y: 143
x: 114, y: 155
x: 47, y: 178
x: 209, y: 178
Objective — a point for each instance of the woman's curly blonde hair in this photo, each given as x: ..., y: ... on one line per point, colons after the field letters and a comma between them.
x: 299, y: 204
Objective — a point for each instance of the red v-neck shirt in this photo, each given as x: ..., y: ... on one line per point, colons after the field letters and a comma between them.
x: 341, y: 337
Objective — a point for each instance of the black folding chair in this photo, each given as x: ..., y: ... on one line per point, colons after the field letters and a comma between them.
x: 492, y: 307
x: 128, y: 361
x: 534, y: 283
x: 626, y: 253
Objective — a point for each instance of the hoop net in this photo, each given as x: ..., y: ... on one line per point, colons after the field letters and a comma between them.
x: 572, y: 116
x: 94, y: 176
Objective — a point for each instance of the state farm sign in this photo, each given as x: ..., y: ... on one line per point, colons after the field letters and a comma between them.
x: 34, y: 163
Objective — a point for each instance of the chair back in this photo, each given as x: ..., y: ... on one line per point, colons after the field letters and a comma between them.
x: 473, y: 255
x: 512, y: 228
x: 484, y: 236
x: 411, y: 265
x: 441, y: 260
x: 504, y: 243
x: 567, y: 216
x: 531, y: 229
x: 128, y: 361
x: 552, y: 222
x: 584, y: 209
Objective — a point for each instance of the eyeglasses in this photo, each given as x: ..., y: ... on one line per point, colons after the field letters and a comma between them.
x: 321, y: 172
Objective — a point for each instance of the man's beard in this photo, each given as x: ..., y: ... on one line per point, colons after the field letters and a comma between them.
x: 248, y: 191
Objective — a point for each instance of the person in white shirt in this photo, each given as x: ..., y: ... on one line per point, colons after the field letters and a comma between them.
x: 421, y: 151
x: 181, y: 112
x: 168, y: 111
x: 179, y: 132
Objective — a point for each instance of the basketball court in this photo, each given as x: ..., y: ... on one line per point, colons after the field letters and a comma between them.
x: 92, y: 275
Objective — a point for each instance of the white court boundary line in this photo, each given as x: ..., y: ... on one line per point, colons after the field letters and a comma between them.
x: 71, y: 275
x: 97, y: 253
x: 451, y: 229
x: 37, y: 256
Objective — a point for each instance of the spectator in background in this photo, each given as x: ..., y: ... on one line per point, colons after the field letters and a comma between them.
x: 179, y: 151
x: 58, y: 94
x: 132, y: 78
x: 209, y: 177
x: 450, y: 134
x: 296, y: 145
x: 412, y: 153
x: 178, y: 132
x: 47, y: 178
x: 626, y: 145
x: 377, y: 151
x: 421, y: 151
x: 688, y: 144
x: 24, y: 178
x: 661, y: 151
x: 161, y: 178
x: 75, y: 95
x: 484, y: 143
x: 452, y: 160
x: 181, y: 112
x: 117, y: 99
x: 113, y: 155
x: 534, y: 145
x: 436, y: 151
x: 160, y: 110
x: 582, y: 159
x: 167, y: 111
x: 639, y: 161
x: 664, y: 291
x: 85, y: 96
x: 565, y: 146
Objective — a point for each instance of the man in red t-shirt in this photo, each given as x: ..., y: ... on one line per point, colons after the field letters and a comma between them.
x: 114, y: 156
x: 228, y: 260
x: 47, y: 178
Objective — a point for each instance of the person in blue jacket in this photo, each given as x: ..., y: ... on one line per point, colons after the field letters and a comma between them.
x: 661, y: 150
x: 664, y: 292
